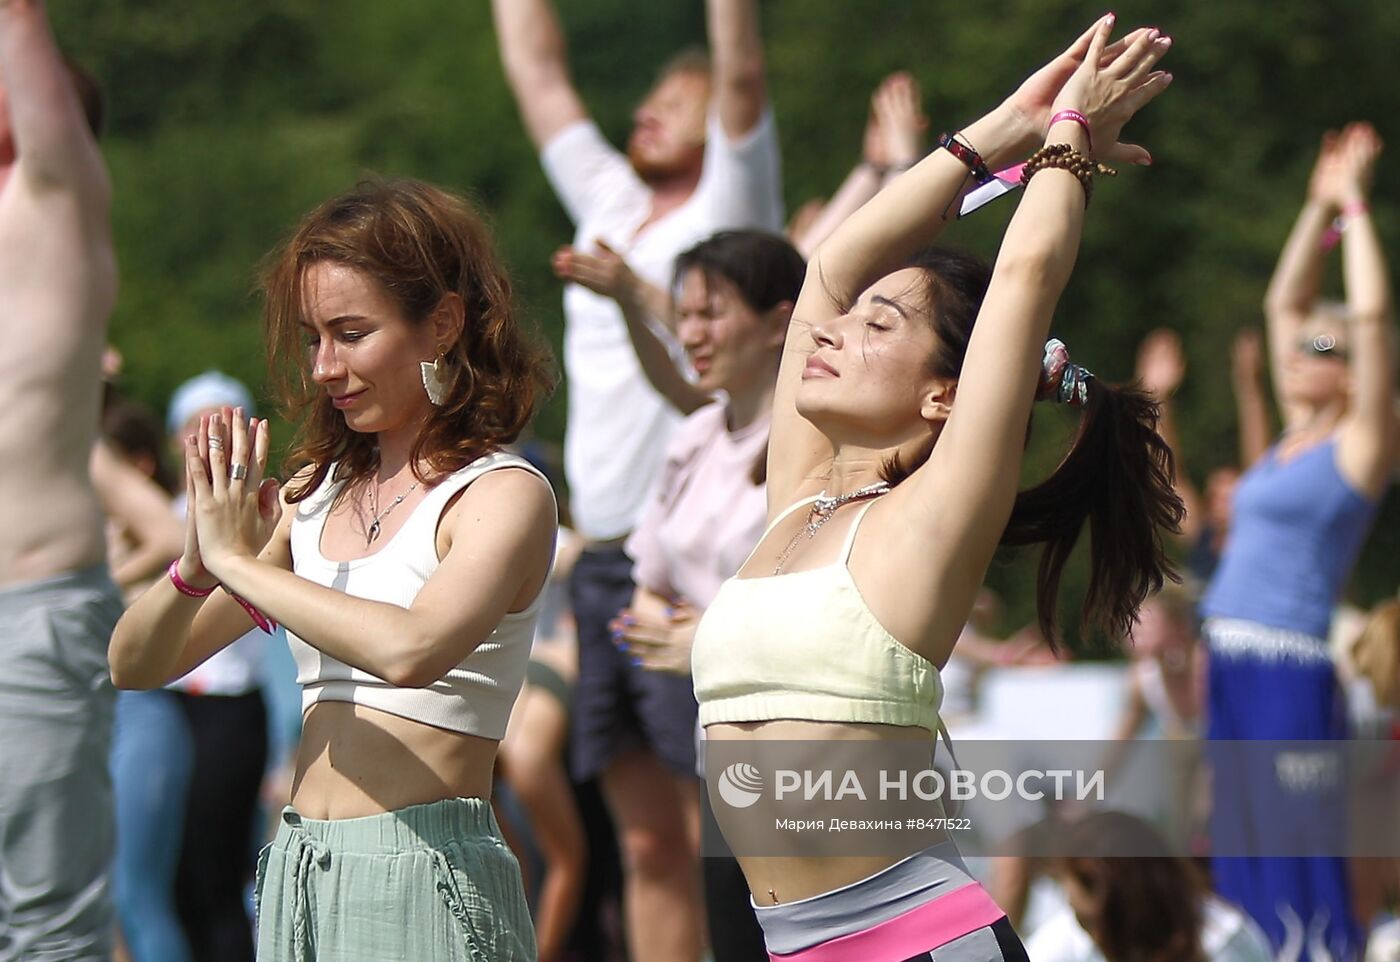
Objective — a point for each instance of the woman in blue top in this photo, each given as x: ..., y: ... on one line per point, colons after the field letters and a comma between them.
x: 1301, y: 514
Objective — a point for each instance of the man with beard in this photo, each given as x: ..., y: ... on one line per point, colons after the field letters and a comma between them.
x: 702, y: 157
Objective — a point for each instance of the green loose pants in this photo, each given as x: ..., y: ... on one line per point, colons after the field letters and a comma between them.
x: 428, y: 882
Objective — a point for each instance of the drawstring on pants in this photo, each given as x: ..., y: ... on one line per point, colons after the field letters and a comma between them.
x: 309, y: 851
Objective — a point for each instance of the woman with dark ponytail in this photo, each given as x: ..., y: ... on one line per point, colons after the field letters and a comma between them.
x: 905, y: 393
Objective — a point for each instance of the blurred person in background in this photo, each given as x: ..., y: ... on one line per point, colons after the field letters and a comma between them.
x: 1131, y: 898
x: 734, y: 294
x: 702, y: 156
x: 893, y: 142
x: 407, y: 558
x: 129, y: 471
x: 1376, y: 657
x: 58, y: 284
x: 152, y: 752
x: 1301, y: 514
x: 1166, y: 671
x: 535, y: 750
x: 1161, y: 367
x: 226, y: 715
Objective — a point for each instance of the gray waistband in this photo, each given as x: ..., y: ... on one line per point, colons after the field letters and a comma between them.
x: 95, y: 578
x: 921, y: 878
x: 72, y: 590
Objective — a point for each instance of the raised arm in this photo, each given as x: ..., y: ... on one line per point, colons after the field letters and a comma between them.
x: 143, y: 510
x: 606, y: 273
x: 966, y: 491
x: 907, y: 215
x: 893, y: 142
x: 1365, y: 452
x: 54, y: 146
x: 1256, y: 427
x: 536, y: 62
x: 736, y: 50
x: 1161, y: 367
x: 1297, y: 282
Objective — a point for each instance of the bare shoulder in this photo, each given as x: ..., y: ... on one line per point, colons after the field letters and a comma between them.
x: 512, y: 496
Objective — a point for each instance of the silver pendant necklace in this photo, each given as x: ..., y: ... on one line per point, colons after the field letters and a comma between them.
x: 822, y: 510
x: 373, y: 532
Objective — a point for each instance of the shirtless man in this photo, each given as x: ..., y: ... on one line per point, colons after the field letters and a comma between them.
x: 58, y: 282
x: 702, y: 157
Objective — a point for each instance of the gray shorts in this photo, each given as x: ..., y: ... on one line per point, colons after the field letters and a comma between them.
x: 56, y: 825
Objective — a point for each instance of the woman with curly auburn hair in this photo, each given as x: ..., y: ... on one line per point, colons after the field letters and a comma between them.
x: 406, y: 558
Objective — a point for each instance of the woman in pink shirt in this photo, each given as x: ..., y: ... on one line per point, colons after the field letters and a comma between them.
x: 733, y: 297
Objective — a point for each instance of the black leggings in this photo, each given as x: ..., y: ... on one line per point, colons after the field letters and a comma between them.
x: 217, y: 851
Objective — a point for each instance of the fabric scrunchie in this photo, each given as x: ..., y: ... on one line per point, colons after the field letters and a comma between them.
x: 1061, y: 380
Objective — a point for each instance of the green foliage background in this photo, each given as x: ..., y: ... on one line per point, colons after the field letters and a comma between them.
x: 229, y: 120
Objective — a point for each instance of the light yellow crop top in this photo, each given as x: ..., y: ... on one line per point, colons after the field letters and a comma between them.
x: 806, y: 646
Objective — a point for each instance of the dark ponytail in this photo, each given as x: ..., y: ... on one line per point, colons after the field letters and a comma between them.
x: 1117, y: 475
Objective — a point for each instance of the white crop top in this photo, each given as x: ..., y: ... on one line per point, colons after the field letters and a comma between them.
x: 475, y: 697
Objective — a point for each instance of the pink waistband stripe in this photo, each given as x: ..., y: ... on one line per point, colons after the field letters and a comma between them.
x: 921, y: 929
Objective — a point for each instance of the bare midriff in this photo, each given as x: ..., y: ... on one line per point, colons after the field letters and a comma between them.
x: 774, y: 880
x: 356, y: 761
x: 57, y: 286
x: 59, y: 533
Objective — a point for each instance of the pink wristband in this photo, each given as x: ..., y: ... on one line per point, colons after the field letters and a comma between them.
x: 1078, y: 118
x: 183, y: 586
x: 1333, y: 235
x: 268, y: 625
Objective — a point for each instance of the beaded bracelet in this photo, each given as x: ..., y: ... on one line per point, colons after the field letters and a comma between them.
x: 1065, y: 157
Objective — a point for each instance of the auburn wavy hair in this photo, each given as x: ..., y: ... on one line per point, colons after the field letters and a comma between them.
x: 419, y: 243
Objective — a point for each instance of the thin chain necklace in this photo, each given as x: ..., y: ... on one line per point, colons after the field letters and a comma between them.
x: 822, y: 510
x: 373, y: 532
